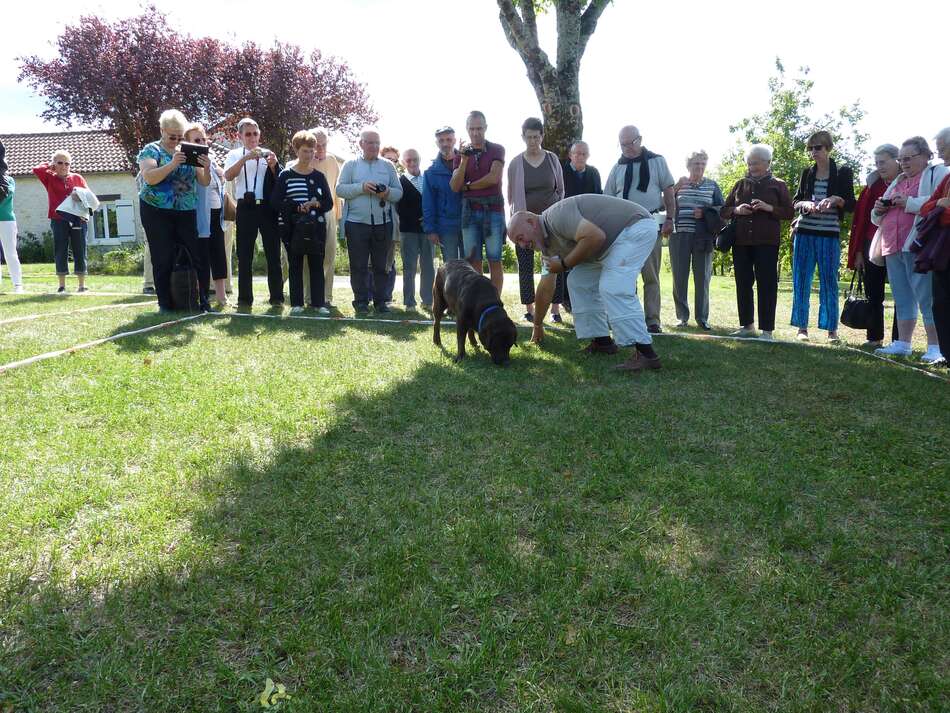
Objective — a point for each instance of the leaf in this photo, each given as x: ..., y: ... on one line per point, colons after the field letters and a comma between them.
x: 265, y: 694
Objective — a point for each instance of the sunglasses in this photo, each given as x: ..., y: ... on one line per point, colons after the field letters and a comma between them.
x: 175, y: 137
x: 62, y: 163
x: 201, y: 140
x: 816, y: 148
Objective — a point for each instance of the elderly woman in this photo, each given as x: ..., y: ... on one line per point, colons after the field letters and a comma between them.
x: 825, y: 194
x: 168, y: 201
x: 535, y: 183
x: 941, y: 278
x: 301, y: 197
x: 212, y: 258
x: 690, y: 244
x: 8, y: 230
x: 68, y: 231
x: 759, y: 202
x: 862, y: 232
x: 897, y: 214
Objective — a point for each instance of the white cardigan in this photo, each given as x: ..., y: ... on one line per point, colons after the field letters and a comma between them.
x: 929, y: 180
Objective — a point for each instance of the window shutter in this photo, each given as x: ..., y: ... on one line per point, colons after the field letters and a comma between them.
x: 125, y: 217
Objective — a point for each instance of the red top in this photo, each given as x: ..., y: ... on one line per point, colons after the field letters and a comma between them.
x: 57, y: 189
x: 943, y: 191
x: 862, y: 229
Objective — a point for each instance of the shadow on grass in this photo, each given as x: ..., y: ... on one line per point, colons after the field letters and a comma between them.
x: 68, y: 304
x: 550, y: 536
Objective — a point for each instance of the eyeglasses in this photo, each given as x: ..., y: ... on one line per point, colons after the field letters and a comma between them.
x: 62, y: 163
x: 628, y: 144
x: 201, y: 140
x: 175, y: 137
x: 906, y: 159
x: 251, y: 133
x: 816, y: 148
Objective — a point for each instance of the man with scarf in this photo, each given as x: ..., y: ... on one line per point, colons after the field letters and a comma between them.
x: 643, y: 177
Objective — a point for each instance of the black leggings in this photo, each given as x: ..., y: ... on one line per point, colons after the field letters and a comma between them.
x: 165, y: 230
x: 526, y: 278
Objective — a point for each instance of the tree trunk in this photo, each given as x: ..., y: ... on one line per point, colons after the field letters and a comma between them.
x: 557, y: 88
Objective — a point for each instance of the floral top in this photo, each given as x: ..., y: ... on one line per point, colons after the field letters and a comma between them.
x: 178, y: 191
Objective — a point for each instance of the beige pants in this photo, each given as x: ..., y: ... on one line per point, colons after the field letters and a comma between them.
x: 651, y: 283
x: 148, y: 281
x: 329, y: 262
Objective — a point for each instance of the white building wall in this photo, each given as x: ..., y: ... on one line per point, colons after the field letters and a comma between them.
x: 31, y: 204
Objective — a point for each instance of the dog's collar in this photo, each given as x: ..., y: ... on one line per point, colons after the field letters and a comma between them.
x: 490, y: 308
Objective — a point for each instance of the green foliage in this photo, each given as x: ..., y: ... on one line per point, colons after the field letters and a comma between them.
x: 121, y: 261
x: 32, y: 249
x: 786, y: 126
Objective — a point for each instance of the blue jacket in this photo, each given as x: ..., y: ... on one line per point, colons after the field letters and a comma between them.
x: 204, y: 206
x: 441, y: 206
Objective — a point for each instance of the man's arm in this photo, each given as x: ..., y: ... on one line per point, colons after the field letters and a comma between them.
x: 231, y: 172
x: 345, y: 187
x: 395, y: 187
x: 493, y: 178
x: 458, y: 175
x: 669, y: 201
x: 610, y: 187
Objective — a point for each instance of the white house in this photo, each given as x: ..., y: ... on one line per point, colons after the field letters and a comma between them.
x: 99, y: 158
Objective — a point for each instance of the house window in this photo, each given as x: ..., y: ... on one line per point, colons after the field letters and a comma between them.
x: 113, y: 223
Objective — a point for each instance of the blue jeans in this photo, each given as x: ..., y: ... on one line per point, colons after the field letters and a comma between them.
x: 68, y: 233
x: 483, y: 227
x: 451, y: 245
x: 810, y: 250
x: 911, y: 290
x: 416, y: 247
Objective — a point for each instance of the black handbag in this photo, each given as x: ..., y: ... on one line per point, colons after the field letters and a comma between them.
x: 727, y: 237
x: 306, y: 238
x: 184, y: 281
x: 856, y: 312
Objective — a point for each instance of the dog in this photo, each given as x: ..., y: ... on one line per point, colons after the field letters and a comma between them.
x: 474, y: 301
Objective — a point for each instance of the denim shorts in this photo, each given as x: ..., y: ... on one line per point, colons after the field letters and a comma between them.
x: 483, y: 227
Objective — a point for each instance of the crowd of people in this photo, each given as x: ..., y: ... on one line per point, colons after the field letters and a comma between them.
x: 593, y: 249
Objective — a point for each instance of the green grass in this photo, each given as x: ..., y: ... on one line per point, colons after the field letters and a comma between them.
x: 339, y: 507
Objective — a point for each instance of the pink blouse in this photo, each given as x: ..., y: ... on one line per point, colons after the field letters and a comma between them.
x: 896, y: 225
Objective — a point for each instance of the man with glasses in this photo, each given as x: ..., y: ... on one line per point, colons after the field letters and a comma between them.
x: 369, y: 186
x: 254, y: 170
x: 414, y: 245
x: 477, y: 176
x: 643, y: 177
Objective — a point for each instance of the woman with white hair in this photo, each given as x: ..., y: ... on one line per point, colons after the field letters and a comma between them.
x: 168, y: 200
x: 897, y: 214
x: 941, y: 278
x: 691, y: 245
x: 759, y: 202
x: 68, y: 231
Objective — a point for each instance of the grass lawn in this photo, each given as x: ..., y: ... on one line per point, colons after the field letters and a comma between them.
x: 338, y: 507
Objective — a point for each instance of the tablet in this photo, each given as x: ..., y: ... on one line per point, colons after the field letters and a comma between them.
x: 192, y: 152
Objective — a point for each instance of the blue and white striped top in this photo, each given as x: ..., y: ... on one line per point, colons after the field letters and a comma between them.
x: 695, y: 195
x: 820, y: 222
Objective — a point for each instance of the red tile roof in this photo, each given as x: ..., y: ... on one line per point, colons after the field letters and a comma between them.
x: 92, y: 151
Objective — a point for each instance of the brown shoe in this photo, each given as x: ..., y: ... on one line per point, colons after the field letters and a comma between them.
x: 595, y: 348
x: 638, y: 362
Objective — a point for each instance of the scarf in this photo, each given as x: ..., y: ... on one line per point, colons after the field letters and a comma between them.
x: 644, y: 160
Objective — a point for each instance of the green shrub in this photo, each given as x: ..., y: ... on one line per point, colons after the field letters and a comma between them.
x: 120, y: 261
x: 33, y: 249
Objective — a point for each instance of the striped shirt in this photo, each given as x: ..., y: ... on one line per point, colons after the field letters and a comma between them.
x: 821, y: 223
x: 297, y: 190
x: 695, y: 195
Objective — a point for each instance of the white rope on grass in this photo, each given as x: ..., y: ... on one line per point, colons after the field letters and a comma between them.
x: 60, y: 352
x: 28, y: 317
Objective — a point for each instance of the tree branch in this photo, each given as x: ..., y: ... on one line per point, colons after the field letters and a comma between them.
x: 589, y: 21
x: 522, y: 36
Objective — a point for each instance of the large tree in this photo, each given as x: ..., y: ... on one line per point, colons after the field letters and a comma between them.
x: 123, y: 74
x: 557, y: 85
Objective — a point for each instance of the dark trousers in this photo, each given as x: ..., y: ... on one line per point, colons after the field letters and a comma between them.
x: 69, y: 233
x: 756, y: 266
x: 368, y: 248
x: 875, y: 278
x: 941, y: 290
x: 526, y: 278
x: 251, y: 220
x: 212, y: 256
x: 165, y: 231
x: 295, y: 268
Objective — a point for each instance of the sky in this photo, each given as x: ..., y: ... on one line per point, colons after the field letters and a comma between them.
x: 683, y: 72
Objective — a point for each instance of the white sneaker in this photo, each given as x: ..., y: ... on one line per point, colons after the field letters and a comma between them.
x: 323, y: 311
x: 802, y: 336
x: 743, y: 332
x: 766, y: 337
x: 296, y: 310
x: 18, y: 290
x: 932, y: 355
x: 897, y: 348
x: 682, y: 324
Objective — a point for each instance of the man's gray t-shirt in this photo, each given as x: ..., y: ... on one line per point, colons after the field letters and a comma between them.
x: 612, y: 215
x: 652, y: 198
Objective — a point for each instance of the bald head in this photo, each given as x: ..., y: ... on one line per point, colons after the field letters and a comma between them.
x: 524, y: 229
x: 631, y: 143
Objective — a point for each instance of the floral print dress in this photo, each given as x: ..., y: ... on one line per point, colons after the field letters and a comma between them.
x: 178, y: 191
